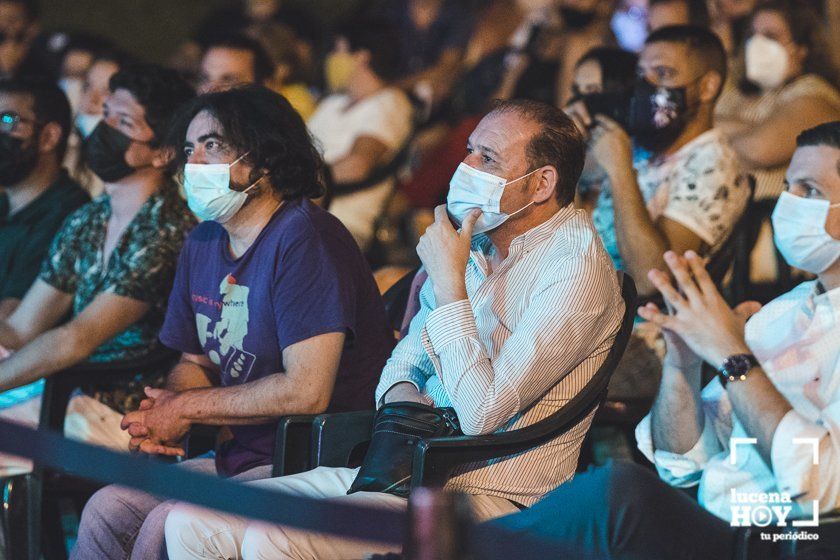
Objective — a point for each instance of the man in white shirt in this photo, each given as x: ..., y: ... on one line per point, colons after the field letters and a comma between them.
x: 519, y: 311
x: 363, y: 126
x: 766, y: 431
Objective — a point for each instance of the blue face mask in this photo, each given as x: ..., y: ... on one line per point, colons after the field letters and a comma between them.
x: 209, y: 195
x: 86, y: 123
x: 471, y: 188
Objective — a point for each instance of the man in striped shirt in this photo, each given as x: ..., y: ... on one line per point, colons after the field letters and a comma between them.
x: 520, y: 309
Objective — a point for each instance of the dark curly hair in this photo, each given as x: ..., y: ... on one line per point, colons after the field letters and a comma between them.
x: 159, y: 90
x: 261, y: 123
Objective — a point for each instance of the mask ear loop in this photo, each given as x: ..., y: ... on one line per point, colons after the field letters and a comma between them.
x: 520, y: 178
x: 512, y: 214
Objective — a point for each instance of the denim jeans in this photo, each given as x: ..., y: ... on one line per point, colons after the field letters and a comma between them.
x: 119, y: 523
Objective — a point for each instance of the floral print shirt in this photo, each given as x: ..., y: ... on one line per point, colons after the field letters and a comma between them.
x: 701, y: 186
x: 141, y: 267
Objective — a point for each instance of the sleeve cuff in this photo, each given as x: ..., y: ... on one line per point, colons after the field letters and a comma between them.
x: 674, y: 468
x: 385, y: 384
x: 450, y: 322
x: 793, y: 461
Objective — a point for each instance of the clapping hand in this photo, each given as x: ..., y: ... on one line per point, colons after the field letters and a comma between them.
x: 702, y: 319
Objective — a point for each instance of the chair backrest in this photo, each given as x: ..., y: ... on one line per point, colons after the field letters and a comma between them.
x: 482, y: 448
x: 727, y: 256
x: 59, y: 386
x: 396, y: 300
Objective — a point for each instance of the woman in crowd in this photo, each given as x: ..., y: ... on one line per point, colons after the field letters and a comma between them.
x: 786, y: 84
x: 603, y: 81
x: 363, y: 126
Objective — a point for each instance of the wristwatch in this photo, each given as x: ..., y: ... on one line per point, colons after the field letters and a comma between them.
x: 736, y: 368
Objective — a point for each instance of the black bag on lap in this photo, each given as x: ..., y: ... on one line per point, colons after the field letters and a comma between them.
x: 397, y: 429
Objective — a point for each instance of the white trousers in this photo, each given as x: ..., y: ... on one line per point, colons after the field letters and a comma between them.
x: 193, y: 532
x: 87, y: 420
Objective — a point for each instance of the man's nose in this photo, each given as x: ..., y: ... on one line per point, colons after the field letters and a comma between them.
x: 473, y: 160
x: 197, y: 156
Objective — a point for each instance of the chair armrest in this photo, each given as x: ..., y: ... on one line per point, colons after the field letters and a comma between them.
x: 292, y: 445
x: 436, y: 458
x: 59, y: 386
x: 336, y: 436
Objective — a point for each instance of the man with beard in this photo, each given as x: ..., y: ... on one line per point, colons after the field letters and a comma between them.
x: 36, y: 194
x: 109, y: 268
x: 677, y: 185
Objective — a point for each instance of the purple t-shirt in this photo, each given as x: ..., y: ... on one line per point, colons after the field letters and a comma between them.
x: 302, y: 277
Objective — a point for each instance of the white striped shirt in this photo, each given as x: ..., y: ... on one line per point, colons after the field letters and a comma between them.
x: 530, y: 336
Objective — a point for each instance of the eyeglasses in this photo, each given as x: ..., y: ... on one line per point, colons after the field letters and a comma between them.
x: 9, y: 121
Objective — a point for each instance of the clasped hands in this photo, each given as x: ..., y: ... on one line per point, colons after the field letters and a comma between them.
x: 156, y: 427
x: 702, y: 323
x: 444, y: 252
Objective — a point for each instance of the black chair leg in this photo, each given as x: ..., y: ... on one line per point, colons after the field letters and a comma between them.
x: 53, y: 537
x: 22, y: 505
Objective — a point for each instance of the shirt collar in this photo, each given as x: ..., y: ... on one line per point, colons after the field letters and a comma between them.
x: 820, y: 298
x: 481, y: 243
x: 545, y: 230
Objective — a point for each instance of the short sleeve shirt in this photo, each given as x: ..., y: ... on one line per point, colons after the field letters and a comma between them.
x: 25, y: 236
x: 302, y: 277
x: 336, y: 126
x: 700, y: 186
x: 141, y: 266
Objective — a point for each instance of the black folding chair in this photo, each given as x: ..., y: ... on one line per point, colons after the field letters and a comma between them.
x: 338, y: 440
x: 31, y: 502
x: 292, y: 444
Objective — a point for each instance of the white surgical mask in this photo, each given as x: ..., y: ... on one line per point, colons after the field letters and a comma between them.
x: 471, y: 188
x: 767, y: 62
x: 208, y: 190
x: 86, y: 123
x: 799, y: 231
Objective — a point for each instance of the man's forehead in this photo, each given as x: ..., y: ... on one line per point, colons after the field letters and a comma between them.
x: 124, y: 101
x: 502, y: 132
x: 819, y: 163
x: 21, y: 103
x: 226, y: 57
x: 662, y: 53
x: 204, y: 124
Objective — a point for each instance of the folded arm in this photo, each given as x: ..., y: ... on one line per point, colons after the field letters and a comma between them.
x: 565, y: 323
x: 40, y: 355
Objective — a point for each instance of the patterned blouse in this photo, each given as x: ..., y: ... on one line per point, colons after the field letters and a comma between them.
x: 141, y: 267
x: 756, y: 109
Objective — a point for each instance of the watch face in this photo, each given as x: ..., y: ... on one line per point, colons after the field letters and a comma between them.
x: 737, y: 365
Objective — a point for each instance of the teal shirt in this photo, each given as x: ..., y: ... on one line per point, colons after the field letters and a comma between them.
x: 25, y: 236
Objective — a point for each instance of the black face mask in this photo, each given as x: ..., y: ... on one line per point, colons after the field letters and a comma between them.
x: 658, y: 115
x: 576, y: 19
x: 16, y: 162
x: 105, y: 150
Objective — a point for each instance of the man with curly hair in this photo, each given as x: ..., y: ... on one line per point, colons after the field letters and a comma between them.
x: 274, y: 309
x: 109, y: 268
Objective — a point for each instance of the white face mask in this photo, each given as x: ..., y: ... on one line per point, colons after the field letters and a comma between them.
x: 767, y: 62
x: 86, y: 123
x: 471, y: 188
x: 208, y: 190
x: 799, y: 231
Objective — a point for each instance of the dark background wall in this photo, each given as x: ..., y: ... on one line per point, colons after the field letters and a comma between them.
x: 152, y: 29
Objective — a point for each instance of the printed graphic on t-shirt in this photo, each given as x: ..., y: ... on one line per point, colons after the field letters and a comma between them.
x: 224, y: 340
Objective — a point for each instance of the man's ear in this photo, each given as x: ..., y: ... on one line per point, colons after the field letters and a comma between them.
x: 50, y: 137
x: 163, y: 157
x: 548, y: 178
x: 710, y: 85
